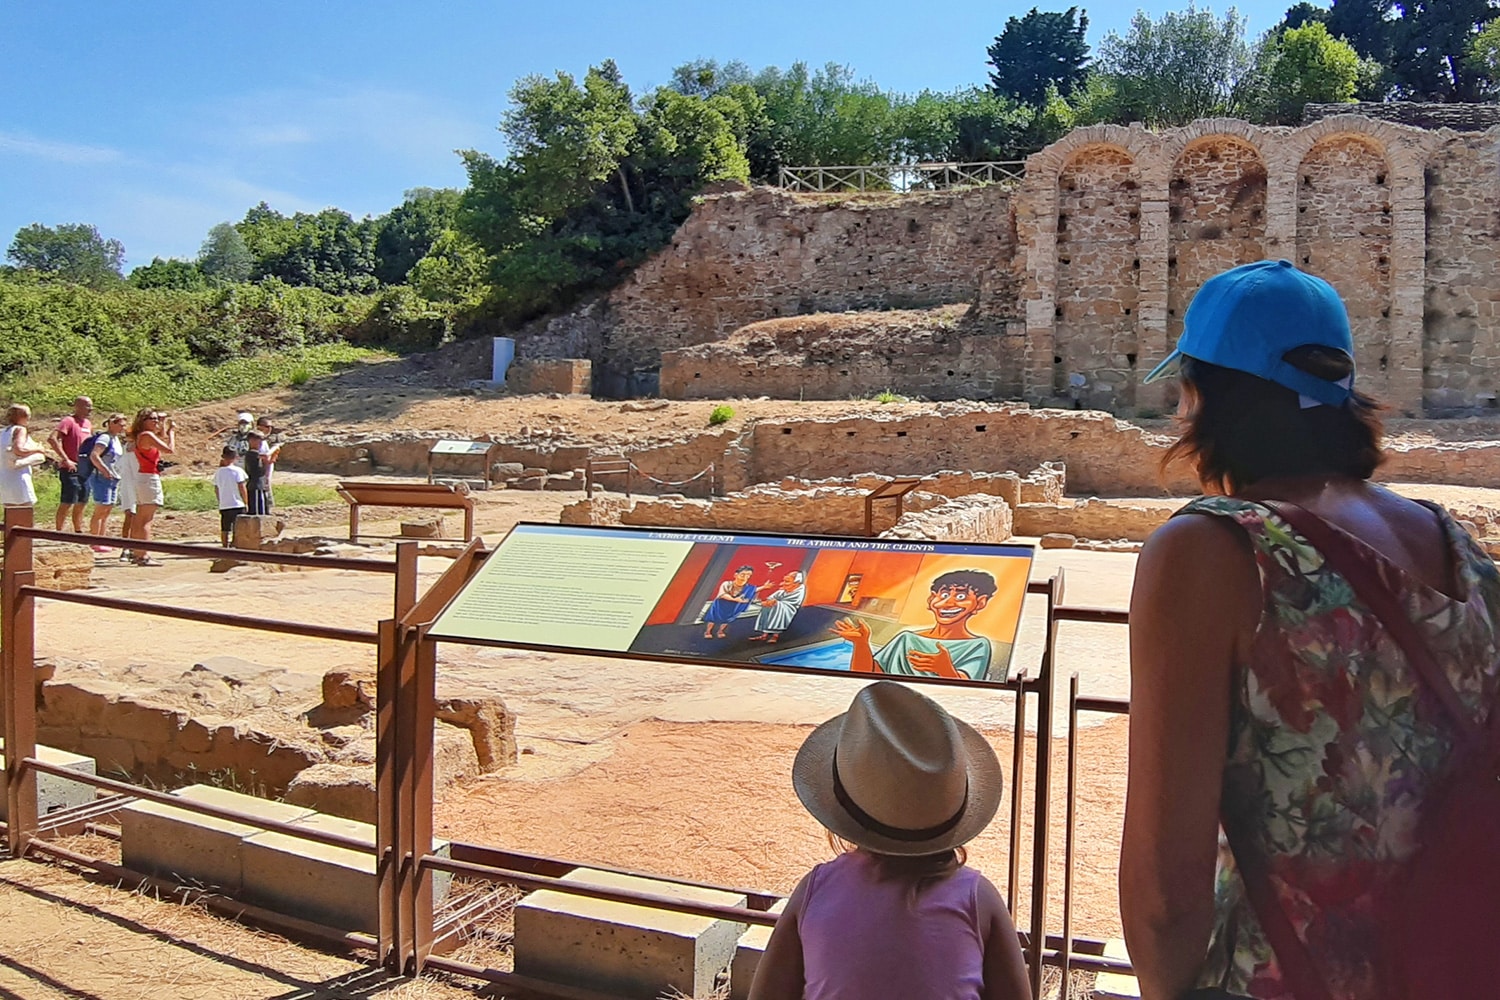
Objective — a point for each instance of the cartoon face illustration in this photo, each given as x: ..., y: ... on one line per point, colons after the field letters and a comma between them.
x: 742, y: 576
x: 955, y: 603
x: 791, y: 581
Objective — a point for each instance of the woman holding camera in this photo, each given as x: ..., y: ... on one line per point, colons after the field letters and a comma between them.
x: 153, y: 436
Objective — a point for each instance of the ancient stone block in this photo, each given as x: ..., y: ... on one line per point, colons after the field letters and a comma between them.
x: 54, y: 793
x: 251, y: 530
x: 620, y: 948
x: 194, y: 849
x: 427, y: 527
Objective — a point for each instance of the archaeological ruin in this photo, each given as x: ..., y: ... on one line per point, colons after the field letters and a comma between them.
x: 1067, y: 287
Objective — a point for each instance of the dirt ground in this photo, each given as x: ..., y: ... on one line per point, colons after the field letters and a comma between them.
x: 672, y: 769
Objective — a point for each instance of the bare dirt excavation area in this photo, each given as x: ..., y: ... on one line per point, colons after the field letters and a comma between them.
x: 676, y: 770
x: 1050, y: 293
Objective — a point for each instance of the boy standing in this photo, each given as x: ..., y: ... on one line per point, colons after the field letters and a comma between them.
x: 229, y: 483
x: 257, y: 469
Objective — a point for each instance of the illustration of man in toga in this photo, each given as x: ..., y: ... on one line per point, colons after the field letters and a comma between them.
x: 733, y: 596
x: 948, y: 648
x: 779, y: 607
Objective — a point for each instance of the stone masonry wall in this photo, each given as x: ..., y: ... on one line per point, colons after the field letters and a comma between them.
x: 746, y: 256
x: 1081, y: 274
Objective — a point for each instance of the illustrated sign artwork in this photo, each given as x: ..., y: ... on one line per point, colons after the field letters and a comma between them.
x: 821, y: 604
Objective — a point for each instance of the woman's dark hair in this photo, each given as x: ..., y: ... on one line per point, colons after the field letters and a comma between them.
x: 1239, y: 428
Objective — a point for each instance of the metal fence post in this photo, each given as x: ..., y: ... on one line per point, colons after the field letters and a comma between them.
x: 18, y: 642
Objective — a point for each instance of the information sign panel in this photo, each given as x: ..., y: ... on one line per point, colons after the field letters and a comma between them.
x: 789, y: 603
x: 461, y: 447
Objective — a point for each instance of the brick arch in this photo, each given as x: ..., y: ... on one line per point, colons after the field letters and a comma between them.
x: 1217, y: 215
x: 1097, y: 222
x: 1345, y: 197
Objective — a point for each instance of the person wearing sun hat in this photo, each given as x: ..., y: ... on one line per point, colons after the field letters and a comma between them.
x: 900, y: 786
x: 1267, y: 698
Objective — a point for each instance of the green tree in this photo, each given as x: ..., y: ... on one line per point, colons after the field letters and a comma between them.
x: 454, y: 270
x: 567, y: 139
x: 171, y: 274
x: 1431, y: 46
x: 408, y: 231
x: 74, y: 252
x: 224, y: 256
x: 1302, y: 13
x: 596, y: 181
x: 1297, y: 67
x: 328, y: 250
x: 1184, y: 66
x: 1484, y: 57
x: 1039, y: 52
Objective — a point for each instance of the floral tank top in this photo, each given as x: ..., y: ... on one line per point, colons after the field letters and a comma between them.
x: 1334, y: 743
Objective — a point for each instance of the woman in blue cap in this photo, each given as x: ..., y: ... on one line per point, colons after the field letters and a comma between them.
x: 1296, y: 636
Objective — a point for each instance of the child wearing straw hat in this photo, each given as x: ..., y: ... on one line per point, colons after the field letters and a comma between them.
x: 902, y: 786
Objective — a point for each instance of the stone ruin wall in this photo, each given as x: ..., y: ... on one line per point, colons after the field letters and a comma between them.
x: 1103, y: 456
x: 746, y: 256
x: 1088, y: 265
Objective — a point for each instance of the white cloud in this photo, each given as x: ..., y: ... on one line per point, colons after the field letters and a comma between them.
x: 57, y: 152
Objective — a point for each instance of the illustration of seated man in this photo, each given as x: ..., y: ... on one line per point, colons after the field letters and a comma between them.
x: 778, y: 607
x: 733, y: 597
x: 947, y: 649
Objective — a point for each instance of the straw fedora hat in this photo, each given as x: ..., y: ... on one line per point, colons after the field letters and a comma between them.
x: 898, y: 775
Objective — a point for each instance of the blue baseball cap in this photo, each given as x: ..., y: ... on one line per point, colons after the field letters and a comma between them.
x: 1248, y: 317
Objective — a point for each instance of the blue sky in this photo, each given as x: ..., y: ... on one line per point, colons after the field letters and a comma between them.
x: 156, y: 120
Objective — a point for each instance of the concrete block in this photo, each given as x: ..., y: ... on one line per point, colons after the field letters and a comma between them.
x: 1113, y: 984
x: 191, y: 848
x: 335, y: 886
x: 54, y: 793
x: 747, y: 957
x: 620, y: 948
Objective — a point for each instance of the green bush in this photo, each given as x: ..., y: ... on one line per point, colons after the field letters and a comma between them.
x: 721, y: 414
x: 132, y: 347
x: 53, y: 392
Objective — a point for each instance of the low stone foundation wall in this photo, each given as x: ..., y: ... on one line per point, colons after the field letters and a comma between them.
x: 1093, y: 518
x: 974, y: 518
x: 1102, y: 455
x: 568, y: 377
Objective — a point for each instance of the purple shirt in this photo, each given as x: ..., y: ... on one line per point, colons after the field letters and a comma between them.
x: 864, y: 936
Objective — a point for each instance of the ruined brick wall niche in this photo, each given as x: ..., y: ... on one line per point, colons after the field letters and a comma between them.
x: 1344, y: 234
x: 1098, y: 271
x: 1216, y: 217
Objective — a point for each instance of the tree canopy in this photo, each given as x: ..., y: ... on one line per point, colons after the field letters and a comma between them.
x: 73, y: 252
x: 1185, y: 65
x: 224, y: 256
x: 1038, y: 53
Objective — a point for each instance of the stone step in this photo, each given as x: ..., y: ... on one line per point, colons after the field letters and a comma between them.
x: 191, y: 848
x: 747, y: 956
x: 623, y: 949
x: 53, y: 793
x: 335, y: 886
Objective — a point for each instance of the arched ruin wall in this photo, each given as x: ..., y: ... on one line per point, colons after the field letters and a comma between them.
x: 1404, y: 222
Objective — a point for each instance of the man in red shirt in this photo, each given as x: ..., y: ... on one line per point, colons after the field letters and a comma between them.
x: 65, y: 442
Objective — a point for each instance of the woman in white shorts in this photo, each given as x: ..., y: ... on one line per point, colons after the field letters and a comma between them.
x: 17, y: 456
x: 153, y: 437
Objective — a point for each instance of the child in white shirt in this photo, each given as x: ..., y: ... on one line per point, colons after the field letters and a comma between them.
x: 229, y: 482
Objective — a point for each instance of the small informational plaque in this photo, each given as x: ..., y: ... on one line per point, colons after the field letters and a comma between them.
x: 460, y: 447
x: 818, y: 604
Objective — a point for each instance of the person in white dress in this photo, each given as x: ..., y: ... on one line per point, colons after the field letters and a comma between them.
x: 17, y: 456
